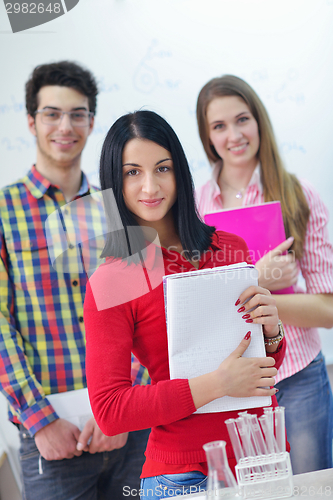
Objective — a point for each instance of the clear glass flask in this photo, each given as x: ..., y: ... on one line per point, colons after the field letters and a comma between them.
x: 219, y: 473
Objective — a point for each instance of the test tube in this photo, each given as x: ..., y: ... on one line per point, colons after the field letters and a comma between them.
x: 242, y: 413
x: 269, y: 413
x: 234, y: 438
x: 258, y: 440
x: 244, y: 432
x: 280, y: 431
x: 268, y: 433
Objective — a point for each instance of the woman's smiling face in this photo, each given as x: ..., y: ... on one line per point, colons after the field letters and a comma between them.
x: 233, y: 131
x: 149, y: 183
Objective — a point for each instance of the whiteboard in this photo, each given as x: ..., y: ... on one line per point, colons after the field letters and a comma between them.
x: 154, y: 54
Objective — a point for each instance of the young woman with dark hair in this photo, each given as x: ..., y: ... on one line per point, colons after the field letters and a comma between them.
x: 239, y: 141
x: 144, y: 164
x: 193, y: 233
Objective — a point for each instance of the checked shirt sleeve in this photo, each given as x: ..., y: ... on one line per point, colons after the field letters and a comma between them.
x: 18, y: 384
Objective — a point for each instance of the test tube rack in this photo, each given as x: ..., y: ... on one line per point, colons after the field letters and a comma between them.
x: 265, y: 476
x: 263, y: 467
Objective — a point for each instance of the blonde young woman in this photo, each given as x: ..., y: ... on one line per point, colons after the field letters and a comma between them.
x: 238, y: 139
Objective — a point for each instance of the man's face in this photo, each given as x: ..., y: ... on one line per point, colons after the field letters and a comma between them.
x: 60, y: 145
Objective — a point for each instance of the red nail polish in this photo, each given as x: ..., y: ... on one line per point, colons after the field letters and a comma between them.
x: 246, y: 316
x: 241, y: 309
x: 237, y: 302
x: 249, y: 321
x: 247, y: 336
x: 276, y: 390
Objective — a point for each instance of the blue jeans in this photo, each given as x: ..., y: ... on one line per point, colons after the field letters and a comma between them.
x: 172, y: 485
x: 307, y: 397
x: 102, y: 476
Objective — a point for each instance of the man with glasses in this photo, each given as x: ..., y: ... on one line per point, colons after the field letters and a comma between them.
x: 42, y: 341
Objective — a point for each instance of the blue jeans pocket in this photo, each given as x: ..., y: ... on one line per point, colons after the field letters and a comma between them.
x: 172, y: 485
x: 28, y: 448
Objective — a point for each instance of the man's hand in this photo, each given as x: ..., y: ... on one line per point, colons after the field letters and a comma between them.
x: 278, y: 270
x: 58, y: 440
x: 99, y: 442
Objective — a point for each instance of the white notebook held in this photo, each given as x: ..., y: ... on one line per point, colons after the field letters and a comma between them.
x: 204, y: 327
x: 73, y: 406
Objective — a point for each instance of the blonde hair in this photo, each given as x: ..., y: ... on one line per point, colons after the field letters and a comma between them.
x: 278, y: 184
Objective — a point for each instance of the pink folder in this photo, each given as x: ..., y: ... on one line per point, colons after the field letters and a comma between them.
x: 261, y: 226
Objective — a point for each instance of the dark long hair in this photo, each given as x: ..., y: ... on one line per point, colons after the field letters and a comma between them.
x: 195, y: 236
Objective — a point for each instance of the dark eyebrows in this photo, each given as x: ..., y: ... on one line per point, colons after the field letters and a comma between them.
x: 131, y: 165
x: 136, y: 165
x: 81, y: 108
x: 165, y: 159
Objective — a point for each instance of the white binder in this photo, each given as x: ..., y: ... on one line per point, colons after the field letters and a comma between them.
x: 204, y: 327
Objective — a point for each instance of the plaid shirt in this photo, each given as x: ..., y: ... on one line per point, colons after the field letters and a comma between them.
x: 42, y: 288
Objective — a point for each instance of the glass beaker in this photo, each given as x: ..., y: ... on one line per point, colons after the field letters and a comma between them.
x: 219, y: 473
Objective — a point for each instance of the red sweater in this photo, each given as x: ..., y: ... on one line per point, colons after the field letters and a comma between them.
x: 139, y: 326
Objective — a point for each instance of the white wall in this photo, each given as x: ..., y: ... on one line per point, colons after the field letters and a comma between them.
x: 157, y: 55
x: 10, y: 483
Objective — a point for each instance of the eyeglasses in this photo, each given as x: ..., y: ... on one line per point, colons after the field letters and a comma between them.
x: 79, y: 118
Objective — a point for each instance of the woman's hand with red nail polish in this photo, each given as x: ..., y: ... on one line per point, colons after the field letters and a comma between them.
x: 263, y: 309
x: 236, y: 376
x: 239, y: 376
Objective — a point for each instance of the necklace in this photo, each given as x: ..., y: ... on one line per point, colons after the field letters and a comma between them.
x: 239, y: 192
